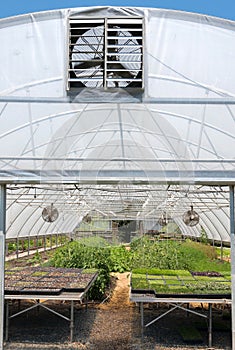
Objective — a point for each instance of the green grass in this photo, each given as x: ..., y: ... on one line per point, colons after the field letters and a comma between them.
x: 187, y: 278
x: 178, y: 289
x: 166, y: 282
x: 208, y: 279
x: 173, y: 282
x: 139, y: 283
x: 157, y: 271
x: 156, y: 284
x: 89, y: 270
x: 169, y: 277
x: 39, y: 273
x: 226, y: 252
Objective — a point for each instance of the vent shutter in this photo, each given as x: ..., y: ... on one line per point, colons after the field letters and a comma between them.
x: 105, y: 53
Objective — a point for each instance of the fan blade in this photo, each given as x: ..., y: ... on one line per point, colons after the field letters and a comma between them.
x: 112, y: 41
x: 88, y: 64
x: 121, y: 70
x: 50, y: 214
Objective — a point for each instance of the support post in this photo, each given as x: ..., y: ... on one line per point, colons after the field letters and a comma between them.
x: 7, y: 320
x: 2, y: 257
x: 210, y: 326
x: 72, y: 321
x: 141, y: 228
x: 6, y: 249
x: 187, y: 313
x: 142, y: 318
x: 28, y: 244
x: 221, y: 251
x: 17, y: 248
x: 232, y: 245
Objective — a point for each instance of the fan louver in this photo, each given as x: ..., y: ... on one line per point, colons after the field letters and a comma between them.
x: 106, y: 54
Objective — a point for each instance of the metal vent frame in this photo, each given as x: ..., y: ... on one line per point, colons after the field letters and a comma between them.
x: 105, y: 53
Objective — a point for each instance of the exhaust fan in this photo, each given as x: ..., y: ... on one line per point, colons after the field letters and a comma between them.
x: 106, y: 53
x: 163, y: 220
x: 50, y: 213
x: 191, y: 217
x: 87, y: 219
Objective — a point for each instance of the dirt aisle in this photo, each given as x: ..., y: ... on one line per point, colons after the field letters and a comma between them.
x: 113, y: 326
x: 120, y: 295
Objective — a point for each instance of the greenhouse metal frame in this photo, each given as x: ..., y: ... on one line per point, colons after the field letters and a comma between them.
x: 123, y: 125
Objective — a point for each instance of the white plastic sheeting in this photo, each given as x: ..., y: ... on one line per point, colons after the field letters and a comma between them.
x: 127, y: 145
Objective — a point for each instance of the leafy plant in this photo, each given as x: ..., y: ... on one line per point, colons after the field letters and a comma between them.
x: 178, y: 282
x: 120, y: 259
x: 36, y: 259
x: 146, y: 256
x: 208, y: 287
x: 203, y: 236
x: 93, y: 253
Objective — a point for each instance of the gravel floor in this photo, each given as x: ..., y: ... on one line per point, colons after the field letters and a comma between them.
x: 100, y: 329
x: 110, y: 326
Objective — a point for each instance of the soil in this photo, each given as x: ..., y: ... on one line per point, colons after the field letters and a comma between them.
x: 46, y: 280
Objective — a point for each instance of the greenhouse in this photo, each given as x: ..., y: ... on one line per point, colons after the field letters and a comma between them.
x: 121, y: 114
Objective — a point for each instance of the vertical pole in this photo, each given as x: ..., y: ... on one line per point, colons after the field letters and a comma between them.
x: 142, y: 319
x: 2, y: 257
x: 7, y: 320
x: 141, y: 226
x: 105, y: 41
x: 210, y: 325
x: 232, y: 245
x: 187, y: 313
x: 6, y: 249
x: 17, y: 248
x: 221, y: 251
x: 28, y: 244
x: 72, y: 321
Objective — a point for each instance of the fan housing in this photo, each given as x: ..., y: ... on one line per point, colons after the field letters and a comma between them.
x: 105, y: 53
x: 87, y: 219
x: 163, y: 220
x: 50, y: 213
x: 191, y: 217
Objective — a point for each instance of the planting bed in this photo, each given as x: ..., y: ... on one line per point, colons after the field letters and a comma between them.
x: 180, y: 283
x: 47, y: 280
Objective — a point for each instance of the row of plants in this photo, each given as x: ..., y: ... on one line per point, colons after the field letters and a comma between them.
x: 179, y: 282
x: 187, y: 255
x: 143, y: 253
x: 34, y: 243
x: 47, y: 280
x: 90, y: 253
